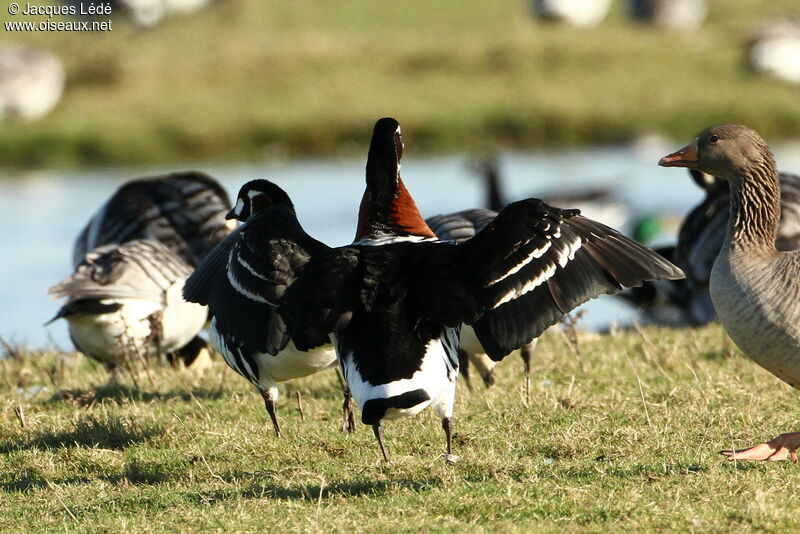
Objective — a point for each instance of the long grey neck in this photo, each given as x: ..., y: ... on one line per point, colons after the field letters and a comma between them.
x: 755, y: 208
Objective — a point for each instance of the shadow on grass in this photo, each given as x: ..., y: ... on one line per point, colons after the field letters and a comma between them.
x: 316, y: 492
x: 105, y: 431
x: 120, y: 392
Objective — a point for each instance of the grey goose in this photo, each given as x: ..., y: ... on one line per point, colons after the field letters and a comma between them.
x: 753, y: 285
x: 700, y: 238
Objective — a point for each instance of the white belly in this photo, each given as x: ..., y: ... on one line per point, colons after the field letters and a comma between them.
x: 436, y: 376
x: 106, y: 337
x: 270, y: 370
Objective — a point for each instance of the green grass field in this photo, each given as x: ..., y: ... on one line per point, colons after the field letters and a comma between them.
x: 249, y: 79
x: 620, y: 435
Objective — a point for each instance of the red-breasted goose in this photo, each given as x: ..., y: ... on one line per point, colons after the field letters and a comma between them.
x: 394, y: 300
x: 753, y: 285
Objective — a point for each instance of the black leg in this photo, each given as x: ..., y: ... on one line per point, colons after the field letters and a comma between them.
x: 449, y: 457
x: 376, y: 429
x: 270, y: 404
x: 348, y: 418
x: 526, y: 352
x: 448, y: 435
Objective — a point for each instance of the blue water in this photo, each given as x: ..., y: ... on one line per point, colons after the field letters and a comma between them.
x: 44, y: 211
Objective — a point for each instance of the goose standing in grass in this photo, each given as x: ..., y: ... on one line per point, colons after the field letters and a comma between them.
x: 754, y: 286
x: 236, y: 282
x: 125, y: 302
x: 393, y: 301
x: 699, y: 241
x: 185, y: 213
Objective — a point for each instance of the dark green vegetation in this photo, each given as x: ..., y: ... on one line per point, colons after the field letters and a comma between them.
x: 252, y: 78
x: 621, y: 435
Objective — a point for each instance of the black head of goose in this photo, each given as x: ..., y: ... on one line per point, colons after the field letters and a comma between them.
x: 126, y: 299
x: 752, y: 284
x: 394, y: 300
x: 241, y: 284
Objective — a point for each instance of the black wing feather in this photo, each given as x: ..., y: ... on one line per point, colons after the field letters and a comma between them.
x: 534, y: 263
x: 244, y: 277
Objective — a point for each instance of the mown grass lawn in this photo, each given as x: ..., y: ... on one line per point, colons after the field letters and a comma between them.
x: 248, y: 79
x: 621, y: 435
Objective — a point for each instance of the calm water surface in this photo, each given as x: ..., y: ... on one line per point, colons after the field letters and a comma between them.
x: 44, y: 211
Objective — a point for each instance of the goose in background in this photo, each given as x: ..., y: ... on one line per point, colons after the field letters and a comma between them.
x: 575, y: 12
x: 702, y: 232
x: 31, y: 82
x: 184, y: 212
x: 124, y: 302
x: 775, y: 49
x: 754, y: 286
x: 596, y: 203
x: 671, y: 14
x: 393, y: 301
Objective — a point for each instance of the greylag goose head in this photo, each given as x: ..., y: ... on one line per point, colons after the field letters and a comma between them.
x: 730, y: 151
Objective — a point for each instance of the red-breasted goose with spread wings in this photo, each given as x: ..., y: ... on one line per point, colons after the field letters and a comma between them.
x: 394, y: 300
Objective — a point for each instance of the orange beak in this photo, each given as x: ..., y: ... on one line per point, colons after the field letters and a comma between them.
x: 685, y: 157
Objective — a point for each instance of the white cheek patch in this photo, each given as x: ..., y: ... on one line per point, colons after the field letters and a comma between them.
x: 239, y: 207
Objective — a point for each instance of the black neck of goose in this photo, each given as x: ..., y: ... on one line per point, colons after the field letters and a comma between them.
x: 494, y: 199
x: 756, y: 206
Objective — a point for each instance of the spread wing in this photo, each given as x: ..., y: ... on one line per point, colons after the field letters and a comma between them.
x: 534, y: 263
x: 244, y: 277
x: 519, y: 275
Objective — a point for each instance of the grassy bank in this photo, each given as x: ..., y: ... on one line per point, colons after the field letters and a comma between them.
x: 248, y: 78
x: 621, y: 436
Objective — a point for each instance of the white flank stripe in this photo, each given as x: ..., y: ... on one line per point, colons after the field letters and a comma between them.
x: 535, y: 253
x: 529, y: 286
x: 239, y: 288
x: 250, y: 269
